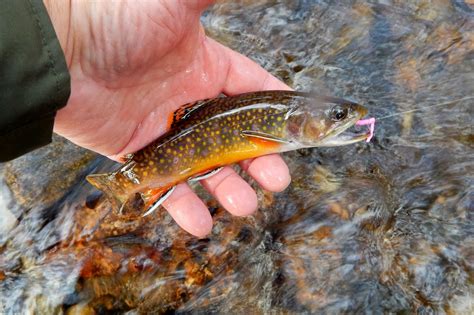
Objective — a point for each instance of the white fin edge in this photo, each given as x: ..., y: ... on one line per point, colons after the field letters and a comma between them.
x: 205, y: 175
x: 160, y: 200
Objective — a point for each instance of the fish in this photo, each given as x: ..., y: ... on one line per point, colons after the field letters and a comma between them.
x: 206, y: 135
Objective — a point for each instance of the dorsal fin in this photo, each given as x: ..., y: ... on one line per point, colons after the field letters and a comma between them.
x: 185, y: 111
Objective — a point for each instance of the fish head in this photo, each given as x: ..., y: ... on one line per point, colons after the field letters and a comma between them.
x: 322, y: 121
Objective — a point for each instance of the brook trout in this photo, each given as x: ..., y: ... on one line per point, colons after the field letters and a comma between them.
x: 209, y: 134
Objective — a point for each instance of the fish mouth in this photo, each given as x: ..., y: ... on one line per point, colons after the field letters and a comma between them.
x: 347, y: 135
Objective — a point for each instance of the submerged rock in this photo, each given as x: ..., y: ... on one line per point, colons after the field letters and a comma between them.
x: 42, y: 177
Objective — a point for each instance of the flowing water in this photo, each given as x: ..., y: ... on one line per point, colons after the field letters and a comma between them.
x: 384, y: 227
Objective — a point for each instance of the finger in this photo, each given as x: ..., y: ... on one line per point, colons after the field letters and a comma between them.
x: 270, y: 171
x: 244, y: 75
x: 188, y: 210
x: 232, y: 192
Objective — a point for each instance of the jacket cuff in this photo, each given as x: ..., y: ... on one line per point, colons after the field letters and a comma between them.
x: 34, y: 78
x: 26, y: 138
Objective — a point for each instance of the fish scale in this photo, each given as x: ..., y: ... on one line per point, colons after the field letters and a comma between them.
x: 206, y: 138
x: 211, y: 133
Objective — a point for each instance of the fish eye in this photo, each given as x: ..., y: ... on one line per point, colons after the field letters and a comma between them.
x: 338, y: 113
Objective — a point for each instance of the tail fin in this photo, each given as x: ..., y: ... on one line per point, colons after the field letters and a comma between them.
x: 109, y: 184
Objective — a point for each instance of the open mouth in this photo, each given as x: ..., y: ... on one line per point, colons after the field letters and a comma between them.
x: 352, y: 135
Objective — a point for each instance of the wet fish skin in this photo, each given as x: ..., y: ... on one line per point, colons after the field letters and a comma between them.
x: 221, y: 131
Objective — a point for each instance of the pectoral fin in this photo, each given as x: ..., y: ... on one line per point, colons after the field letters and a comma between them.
x: 204, y: 175
x: 263, y: 139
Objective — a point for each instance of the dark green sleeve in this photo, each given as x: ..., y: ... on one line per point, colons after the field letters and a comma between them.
x: 34, y: 79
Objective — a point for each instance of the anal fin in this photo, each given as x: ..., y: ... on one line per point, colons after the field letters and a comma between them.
x: 154, y: 198
x: 205, y: 175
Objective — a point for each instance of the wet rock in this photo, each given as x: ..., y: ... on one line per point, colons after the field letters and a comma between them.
x: 40, y: 178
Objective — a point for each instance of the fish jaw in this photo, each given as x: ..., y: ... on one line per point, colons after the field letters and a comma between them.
x: 345, y: 138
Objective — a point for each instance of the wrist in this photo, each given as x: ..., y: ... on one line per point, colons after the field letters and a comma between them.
x: 60, y: 15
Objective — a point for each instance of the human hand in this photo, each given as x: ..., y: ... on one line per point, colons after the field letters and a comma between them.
x: 132, y: 63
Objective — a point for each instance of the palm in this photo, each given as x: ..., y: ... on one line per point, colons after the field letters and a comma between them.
x: 128, y: 78
x: 133, y: 63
